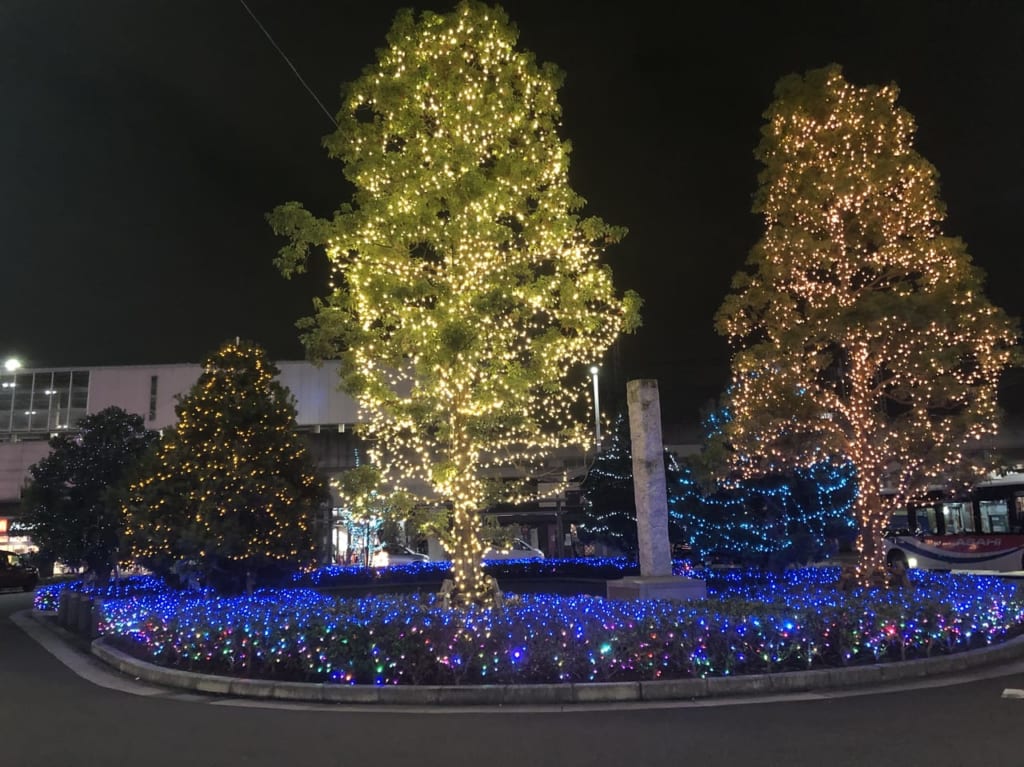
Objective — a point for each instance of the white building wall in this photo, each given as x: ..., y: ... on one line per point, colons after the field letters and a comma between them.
x: 128, y: 387
x: 318, y: 401
x: 15, y: 458
x: 317, y: 397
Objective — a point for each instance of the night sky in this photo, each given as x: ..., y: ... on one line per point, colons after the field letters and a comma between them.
x: 144, y: 141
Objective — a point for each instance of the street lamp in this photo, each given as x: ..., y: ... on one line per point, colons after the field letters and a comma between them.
x: 597, y: 411
x: 12, y: 364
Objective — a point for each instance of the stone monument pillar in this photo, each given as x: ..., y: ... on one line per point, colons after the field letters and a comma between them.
x: 649, y: 477
x: 656, y: 580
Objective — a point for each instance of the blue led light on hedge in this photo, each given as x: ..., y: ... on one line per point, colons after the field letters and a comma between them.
x: 752, y: 622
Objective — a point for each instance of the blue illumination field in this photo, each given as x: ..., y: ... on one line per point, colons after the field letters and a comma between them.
x: 752, y: 622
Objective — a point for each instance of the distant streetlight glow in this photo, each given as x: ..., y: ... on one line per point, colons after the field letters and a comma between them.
x: 12, y: 364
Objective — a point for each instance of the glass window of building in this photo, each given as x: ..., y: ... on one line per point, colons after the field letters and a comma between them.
x: 43, y: 401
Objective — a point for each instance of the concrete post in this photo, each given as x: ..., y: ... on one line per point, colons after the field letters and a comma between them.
x: 649, y: 477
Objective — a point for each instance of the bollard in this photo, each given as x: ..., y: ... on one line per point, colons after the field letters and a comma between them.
x: 74, y: 606
x: 63, y: 603
x: 84, y: 614
x: 95, y: 617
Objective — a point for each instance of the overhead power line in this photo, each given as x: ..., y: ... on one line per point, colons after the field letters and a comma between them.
x: 289, y: 63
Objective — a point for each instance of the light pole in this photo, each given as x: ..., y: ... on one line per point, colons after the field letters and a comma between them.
x: 597, y: 411
x: 11, y: 365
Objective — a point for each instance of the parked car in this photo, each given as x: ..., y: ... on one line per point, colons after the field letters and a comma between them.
x: 15, y: 574
x: 397, y: 554
x: 518, y: 549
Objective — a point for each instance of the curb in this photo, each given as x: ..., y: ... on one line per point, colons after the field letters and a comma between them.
x: 569, y: 693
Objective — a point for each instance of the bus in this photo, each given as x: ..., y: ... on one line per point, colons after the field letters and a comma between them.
x: 980, y: 530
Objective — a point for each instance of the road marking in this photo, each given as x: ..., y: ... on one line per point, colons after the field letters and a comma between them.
x: 1011, y: 692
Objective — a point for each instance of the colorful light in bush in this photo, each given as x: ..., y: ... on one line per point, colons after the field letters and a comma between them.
x: 751, y: 623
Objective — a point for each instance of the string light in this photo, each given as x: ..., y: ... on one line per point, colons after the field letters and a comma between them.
x: 776, y: 519
x: 231, y: 482
x: 752, y: 623
x: 467, y: 298
x: 861, y: 333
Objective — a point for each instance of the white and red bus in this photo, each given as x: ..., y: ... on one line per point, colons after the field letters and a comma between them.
x: 982, y: 530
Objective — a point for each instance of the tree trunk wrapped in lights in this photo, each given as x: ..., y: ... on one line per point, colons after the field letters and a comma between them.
x: 467, y: 297
x: 861, y: 332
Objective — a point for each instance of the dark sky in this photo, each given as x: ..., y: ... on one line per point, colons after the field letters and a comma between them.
x: 143, y: 142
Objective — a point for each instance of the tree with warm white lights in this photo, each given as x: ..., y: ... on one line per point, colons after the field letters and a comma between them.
x: 67, y: 503
x: 467, y: 299
x: 231, y: 487
x: 860, y: 331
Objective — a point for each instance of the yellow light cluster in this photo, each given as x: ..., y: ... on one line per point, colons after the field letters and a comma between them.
x: 232, y: 478
x: 467, y: 299
x: 861, y: 332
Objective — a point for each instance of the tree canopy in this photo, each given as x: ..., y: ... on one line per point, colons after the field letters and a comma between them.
x: 860, y: 331
x: 67, y: 501
x: 467, y: 297
x: 231, y: 487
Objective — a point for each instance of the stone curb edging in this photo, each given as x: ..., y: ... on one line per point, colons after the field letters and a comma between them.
x: 540, y: 694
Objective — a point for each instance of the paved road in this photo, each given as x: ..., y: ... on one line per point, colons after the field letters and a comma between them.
x: 50, y: 716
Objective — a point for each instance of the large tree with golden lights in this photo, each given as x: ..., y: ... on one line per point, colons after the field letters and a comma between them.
x: 467, y: 297
x: 860, y: 331
x: 231, y: 487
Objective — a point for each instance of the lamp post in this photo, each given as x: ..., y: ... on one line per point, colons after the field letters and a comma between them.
x: 597, y: 411
x: 11, y: 365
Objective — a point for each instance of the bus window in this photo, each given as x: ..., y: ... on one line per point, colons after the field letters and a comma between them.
x: 927, y: 521
x: 959, y: 518
x: 994, y: 517
x: 898, y: 520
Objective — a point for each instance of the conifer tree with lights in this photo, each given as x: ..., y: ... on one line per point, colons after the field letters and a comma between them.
x: 609, y: 505
x: 231, y: 490
x: 860, y: 332
x: 771, y: 521
x: 67, y: 502
x: 467, y: 297
x: 774, y: 520
x: 609, y: 501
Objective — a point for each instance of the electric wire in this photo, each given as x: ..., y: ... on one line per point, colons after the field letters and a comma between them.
x: 289, y: 63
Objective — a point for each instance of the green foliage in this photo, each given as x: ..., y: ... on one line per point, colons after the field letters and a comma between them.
x: 231, y: 487
x: 67, y: 500
x: 467, y: 296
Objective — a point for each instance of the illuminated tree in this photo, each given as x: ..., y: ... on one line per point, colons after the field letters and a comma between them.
x: 771, y: 520
x: 66, y: 502
x: 609, y: 500
x: 861, y: 332
x: 369, y: 505
x: 467, y: 298
x: 231, y: 486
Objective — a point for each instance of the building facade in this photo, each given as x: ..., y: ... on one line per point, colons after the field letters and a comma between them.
x: 37, y: 404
